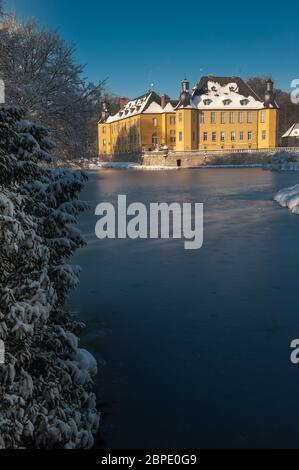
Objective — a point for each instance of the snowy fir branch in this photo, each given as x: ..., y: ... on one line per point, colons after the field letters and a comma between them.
x: 46, y: 382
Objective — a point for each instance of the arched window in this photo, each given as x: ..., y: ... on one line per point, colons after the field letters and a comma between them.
x: 155, y: 122
x: 155, y: 139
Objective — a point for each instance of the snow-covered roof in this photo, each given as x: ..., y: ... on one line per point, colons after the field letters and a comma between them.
x: 168, y: 108
x: 224, y: 93
x: 190, y: 105
x: 153, y: 108
x: 293, y: 131
x: 150, y: 103
x: 132, y: 108
x: 210, y: 93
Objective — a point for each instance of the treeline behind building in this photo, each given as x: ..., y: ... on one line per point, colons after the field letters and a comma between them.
x: 289, y: 112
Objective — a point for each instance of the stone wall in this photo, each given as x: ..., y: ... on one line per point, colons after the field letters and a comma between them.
x: 202, y: 159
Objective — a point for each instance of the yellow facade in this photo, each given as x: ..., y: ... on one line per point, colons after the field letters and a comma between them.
x: 187, y: 130
x: 182, y: 126
x: 224, y: 130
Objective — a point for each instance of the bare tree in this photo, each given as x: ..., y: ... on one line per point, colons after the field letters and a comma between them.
x: 289, y: 112
x: 41, y: 75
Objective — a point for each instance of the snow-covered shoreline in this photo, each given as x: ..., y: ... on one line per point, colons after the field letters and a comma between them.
x: 128, y: 166
x: 289, y: 197
x: 139, y: 167
x: 278, y: 161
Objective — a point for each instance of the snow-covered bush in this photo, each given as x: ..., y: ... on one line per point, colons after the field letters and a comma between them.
x: 46, y: 381
x: 289, y: 197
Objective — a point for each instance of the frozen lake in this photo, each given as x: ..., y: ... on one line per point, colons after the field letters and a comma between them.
x: 196, y: 344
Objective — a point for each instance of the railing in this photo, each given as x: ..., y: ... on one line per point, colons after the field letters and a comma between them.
x: 166, y: 152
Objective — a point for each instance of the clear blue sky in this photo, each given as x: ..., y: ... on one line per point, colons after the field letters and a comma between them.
x: 135, y: 43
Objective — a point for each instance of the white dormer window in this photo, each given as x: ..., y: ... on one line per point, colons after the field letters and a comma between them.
x: 232, y: 88
x: 244, y: 102
x: 214, y: 88
x: 226, y: 102
x: 207, y: 102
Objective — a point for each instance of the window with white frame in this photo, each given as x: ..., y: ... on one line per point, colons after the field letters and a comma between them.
x: 231, y: 117
x: 240, y: 117
x: 213, y: 117
x: 223, y: 117
x: 233, y: 136
x: 249, y: 116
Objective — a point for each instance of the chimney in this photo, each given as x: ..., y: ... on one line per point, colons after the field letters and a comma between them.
x: 122, y: 102
x: 164, y: 101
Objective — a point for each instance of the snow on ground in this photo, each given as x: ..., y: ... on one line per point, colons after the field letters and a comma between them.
x: 116, y: 165
x: 245, y: 165
x: 127, y: 166
x: 289, y: 197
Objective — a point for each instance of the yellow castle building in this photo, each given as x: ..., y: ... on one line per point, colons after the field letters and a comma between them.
x: 219, y: 113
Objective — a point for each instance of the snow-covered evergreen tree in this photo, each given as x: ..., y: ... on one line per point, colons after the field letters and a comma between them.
x: 46, y: 381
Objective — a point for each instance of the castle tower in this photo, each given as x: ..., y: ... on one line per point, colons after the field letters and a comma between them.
x: 186, y: 120
x: 269, y: 94
x: 268, y: 119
